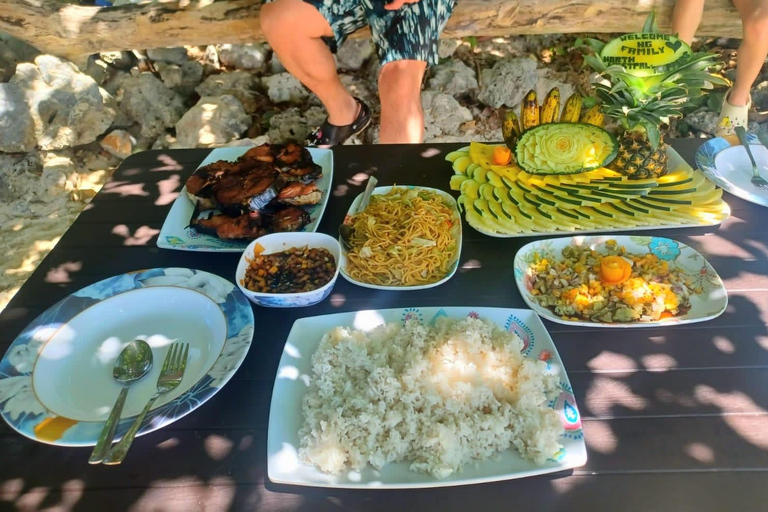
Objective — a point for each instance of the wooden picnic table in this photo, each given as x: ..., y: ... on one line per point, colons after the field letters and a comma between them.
x: 674, y: 418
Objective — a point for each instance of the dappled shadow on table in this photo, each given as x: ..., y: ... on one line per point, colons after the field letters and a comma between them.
x: 638, y: 399
x: 640, y: 393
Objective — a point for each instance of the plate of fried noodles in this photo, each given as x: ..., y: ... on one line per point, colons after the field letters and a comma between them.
x: 406, y: 238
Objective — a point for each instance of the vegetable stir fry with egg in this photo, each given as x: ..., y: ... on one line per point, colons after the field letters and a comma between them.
x: 610, y: 286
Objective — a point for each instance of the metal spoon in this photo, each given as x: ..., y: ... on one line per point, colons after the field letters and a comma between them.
x: 132, y: 364
x: 345, y: 230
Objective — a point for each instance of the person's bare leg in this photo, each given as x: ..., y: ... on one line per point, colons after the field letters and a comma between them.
x: 402, y: 119
x: 753, y: 49
x: 686, y: 18
x: 294, y: 29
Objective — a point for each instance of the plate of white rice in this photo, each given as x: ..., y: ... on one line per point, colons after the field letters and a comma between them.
x: 421, y: 397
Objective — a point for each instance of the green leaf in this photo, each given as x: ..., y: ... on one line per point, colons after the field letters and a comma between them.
x: 589, y: 102
x: 472, y: 41
x: 637, y: 93
x: 605, y: 96
x: 698, y: 62
x: 595, y: 63
x: 594, y: 44
x: 650, y: 25
x: 715, y: 101
x: 618, y: 87
x: 653, y: 134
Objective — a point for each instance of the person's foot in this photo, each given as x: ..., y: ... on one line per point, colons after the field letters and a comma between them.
x: 732, y: 116
x: 344, y: 114
x: 329, y: 134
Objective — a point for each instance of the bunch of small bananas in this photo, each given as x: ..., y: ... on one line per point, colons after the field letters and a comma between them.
x: 532, y: 115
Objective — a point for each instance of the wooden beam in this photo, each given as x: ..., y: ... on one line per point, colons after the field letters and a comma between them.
x: 74, y: 30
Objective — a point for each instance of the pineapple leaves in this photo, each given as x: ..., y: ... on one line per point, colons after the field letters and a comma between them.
x: 594, y: 44
x: 646, y: 103
x: 621, y: 73
x: 618, y: 87
x: 650, y: 25
x: 595, y: 63
x: 653, y: 133
x: 698, y: 63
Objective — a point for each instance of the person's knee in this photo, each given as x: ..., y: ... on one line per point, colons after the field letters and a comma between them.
x: 756, y: 24
x: 400, y: 84
x: 278, y: 21
x: 276, y: 18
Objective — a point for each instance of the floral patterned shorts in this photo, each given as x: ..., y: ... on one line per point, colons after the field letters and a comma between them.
x: 409, y: 33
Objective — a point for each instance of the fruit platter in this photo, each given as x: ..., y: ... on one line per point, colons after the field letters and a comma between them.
x: 560, y: 169
x: 505, y: 201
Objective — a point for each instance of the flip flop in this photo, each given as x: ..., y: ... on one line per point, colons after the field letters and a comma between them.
x: 731, y: 116
x: 332, y: 135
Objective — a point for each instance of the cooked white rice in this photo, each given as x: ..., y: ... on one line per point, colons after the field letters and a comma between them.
x: 436, y: 396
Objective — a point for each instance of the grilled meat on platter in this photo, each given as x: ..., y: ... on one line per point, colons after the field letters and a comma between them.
x: 258, y: 193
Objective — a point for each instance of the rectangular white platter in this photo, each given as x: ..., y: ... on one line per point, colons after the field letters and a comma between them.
x: 177, y: 234
x: 449, y: 199
x: 675, y: 161
x: 294, y: 375
x: 707, y: 305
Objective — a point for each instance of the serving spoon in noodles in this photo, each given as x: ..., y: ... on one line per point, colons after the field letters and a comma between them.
x: 345, y: 230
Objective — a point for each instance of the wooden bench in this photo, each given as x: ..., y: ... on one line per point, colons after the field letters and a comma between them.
x: 72, y: 31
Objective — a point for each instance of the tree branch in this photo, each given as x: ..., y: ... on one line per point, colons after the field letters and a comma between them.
x: 73, y: 30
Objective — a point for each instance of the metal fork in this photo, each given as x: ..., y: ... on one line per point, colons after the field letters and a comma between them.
x: 170, y: 377
x: 756, y: 179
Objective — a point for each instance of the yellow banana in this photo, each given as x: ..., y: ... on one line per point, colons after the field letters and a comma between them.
x: 593, y: 116
x: 572, y: 109
x: 529, y: 111
x: 550, y: 109
x: 510, y: 129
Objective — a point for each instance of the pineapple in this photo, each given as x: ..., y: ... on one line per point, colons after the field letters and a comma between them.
x: 643, y: 105
x: 638, y: 159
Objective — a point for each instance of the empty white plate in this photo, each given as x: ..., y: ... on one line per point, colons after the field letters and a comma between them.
x: 729, y: 167
x: 56, y: 382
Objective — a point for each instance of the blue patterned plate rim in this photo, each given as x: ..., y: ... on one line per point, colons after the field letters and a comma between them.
x: 705, y: 161
x: 23, y: 411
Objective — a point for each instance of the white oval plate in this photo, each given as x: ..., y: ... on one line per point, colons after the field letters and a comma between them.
x: 176, y: 232
x: 294, y: 376
x: 709, y: 304
x: 729, y: 167
x: 383, y: 190
x: 56, y: 382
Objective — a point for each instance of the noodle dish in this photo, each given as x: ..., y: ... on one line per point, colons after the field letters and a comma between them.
x: 407, y: 237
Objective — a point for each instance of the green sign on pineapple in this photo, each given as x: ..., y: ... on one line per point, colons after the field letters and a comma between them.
x: 645, y: 54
